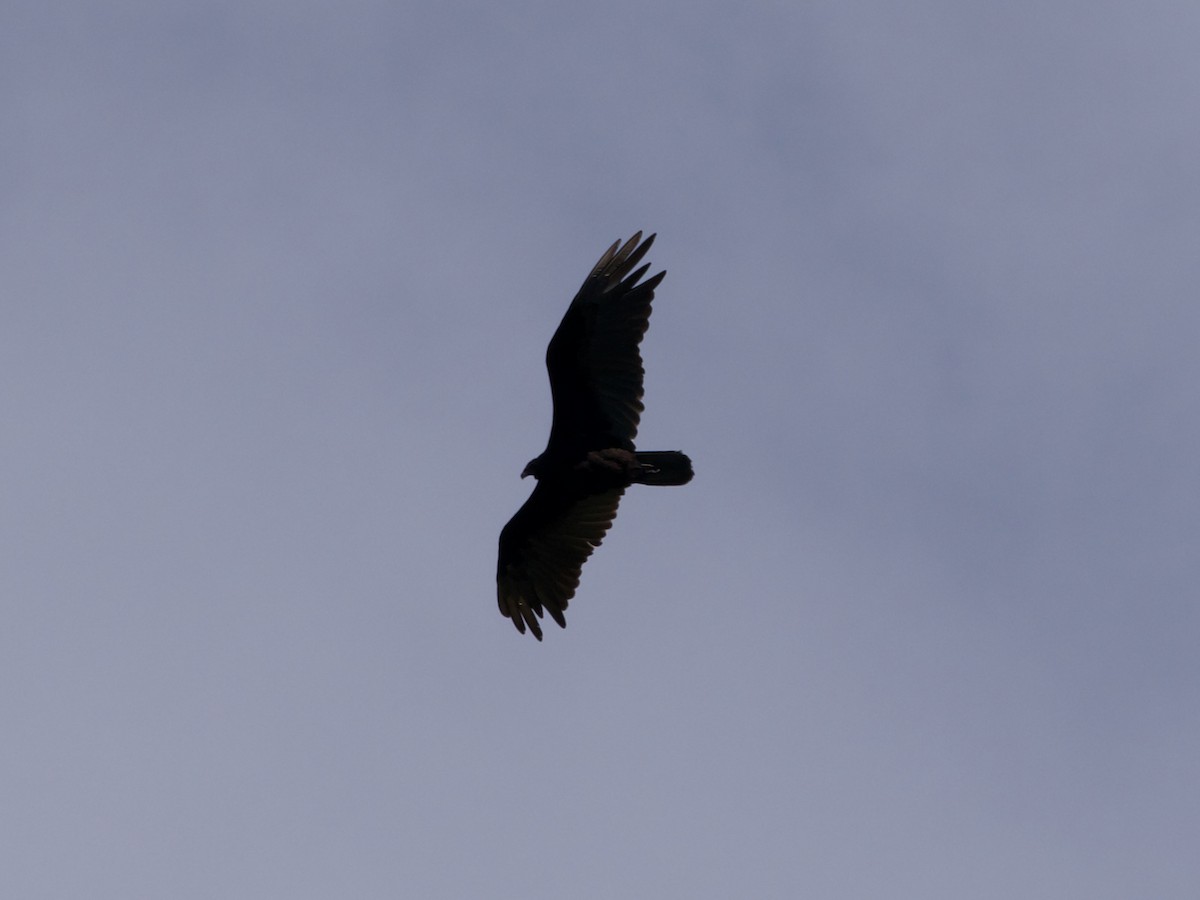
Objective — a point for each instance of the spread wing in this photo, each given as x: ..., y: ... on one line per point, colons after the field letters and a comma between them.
x: 543, y: 549
x: 594, y: 363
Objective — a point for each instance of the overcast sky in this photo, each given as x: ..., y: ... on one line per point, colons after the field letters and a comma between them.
x: 276, y: 282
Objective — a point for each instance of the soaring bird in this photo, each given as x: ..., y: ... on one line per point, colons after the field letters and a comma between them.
x: 596, y: 384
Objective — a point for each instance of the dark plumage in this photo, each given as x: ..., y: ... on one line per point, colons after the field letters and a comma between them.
x: 596, y: 384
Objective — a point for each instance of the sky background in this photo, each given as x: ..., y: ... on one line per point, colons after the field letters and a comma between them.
x: 276, y: 283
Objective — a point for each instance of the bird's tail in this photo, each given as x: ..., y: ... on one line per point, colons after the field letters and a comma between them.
x: 663, y: 467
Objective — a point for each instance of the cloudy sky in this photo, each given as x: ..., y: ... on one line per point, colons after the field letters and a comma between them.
x: 276, y: 281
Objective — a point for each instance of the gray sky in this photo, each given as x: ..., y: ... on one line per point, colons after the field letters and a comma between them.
x: 277, y: 281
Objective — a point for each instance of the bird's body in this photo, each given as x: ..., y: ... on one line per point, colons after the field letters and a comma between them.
x: 596, y: 375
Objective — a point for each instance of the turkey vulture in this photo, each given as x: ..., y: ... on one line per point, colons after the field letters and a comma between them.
x: 596, y: 384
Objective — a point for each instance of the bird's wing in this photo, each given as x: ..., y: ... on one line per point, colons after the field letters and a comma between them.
x: 543, y: 549
x: 594, y: 363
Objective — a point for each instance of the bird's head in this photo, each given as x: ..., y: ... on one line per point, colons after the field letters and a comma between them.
x: 533, y: 467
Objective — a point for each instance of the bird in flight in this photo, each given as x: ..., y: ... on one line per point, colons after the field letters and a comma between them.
x: 596, y: 385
